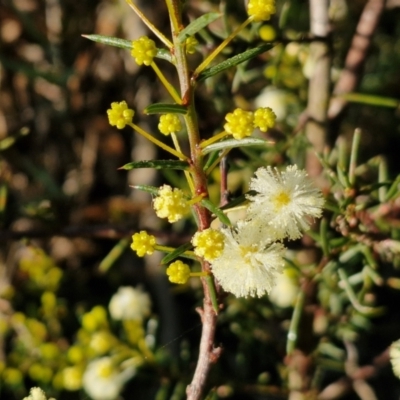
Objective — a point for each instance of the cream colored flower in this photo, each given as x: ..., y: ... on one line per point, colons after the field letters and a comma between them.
x: 130, y: 303
x: 284, y: 203
x: 249, y: 262
x: 284, y: 293
x: 395, y: 357
x: 103, y: 381
x: 37, y: 394
x: 277, y: 99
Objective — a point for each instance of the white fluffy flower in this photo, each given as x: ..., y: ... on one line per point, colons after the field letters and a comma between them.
x: 102, y: 380
x: 284, y: 293
x: 249, y: 263
x: 275, y: 98
x: 395, y: 357
x: 284, y: 202
x: 129, y: 303
x: 36, y: 394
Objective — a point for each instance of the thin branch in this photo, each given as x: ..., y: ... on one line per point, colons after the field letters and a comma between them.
x: 356, y: 376
x: 356, y: 55
x: 319, y: 86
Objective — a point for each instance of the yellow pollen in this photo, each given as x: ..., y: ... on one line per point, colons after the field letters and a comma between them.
x: 281, y: 199
x: 247, y: 251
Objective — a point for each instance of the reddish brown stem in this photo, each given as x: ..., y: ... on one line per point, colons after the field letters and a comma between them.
x: 207, y: 353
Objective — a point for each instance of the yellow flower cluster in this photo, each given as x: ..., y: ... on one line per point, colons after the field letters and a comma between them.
x: 261, y: 10
x: 169, y: 123
x: 143, y: 243
x: 171, y: 204
x: 178, y: 272
x: 143, y: 50
x: 241, y: 124
x: 119, y: 115
x: 72, y: 377
x: 95, y: 319
x: 40, y: 268
x: 264, y: 118
x: 209, y: 244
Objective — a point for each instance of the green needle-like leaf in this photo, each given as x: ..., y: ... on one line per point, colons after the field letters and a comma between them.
x: 113, y: 256
x: 197, y: 25
x: 216, y: 211
x: 393, y: 190
x: 232, y: 143
x: 377, y: 101
x: 179, y: 252
x: 213, y: 293
x: 233, y: 61
x: 211, y: 159
x: 125, y: 44
x: 157, y: 164
x: 165, y: 108
x: 238, y: 200
x: 110, y: 41
x: 145, y: 188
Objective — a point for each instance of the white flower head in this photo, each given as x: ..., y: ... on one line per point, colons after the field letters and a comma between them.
x: 130, y: 303
x: 103, y: 381
x: 36, y: 394
x: 277, y: 99
x: 249, y: 263
x: 284, y: 202
x: 284, y: 293
x: 395, y: 357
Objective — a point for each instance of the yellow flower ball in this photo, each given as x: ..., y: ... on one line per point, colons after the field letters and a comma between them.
x: 120, y: 115
x: 178, y: 272
x: 143, y: 50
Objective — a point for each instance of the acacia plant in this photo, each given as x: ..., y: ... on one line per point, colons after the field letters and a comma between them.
x: 282, y: 234
x: 242, y: 258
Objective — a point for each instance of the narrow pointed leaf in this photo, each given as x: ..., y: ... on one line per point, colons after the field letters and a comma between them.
x: 125, y: 44
x: 216, y: 211
x: 110, y: 41
x: 372, y: 100
x: 239, y: 200
x: 164, y: 108
x: 197, y: 25
x: 145, y: 188
x: 112, y: 257
x: 232, y: 143
x: 213, y: 293
x: 233, y: 61
x: 213, y: 156
x: 393, y: 190
x: 157, y: 164
x: 178, y: 253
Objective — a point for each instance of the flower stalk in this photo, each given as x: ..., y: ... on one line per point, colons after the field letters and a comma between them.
x: 158, y: 143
